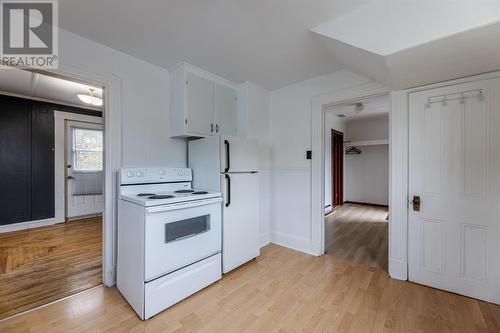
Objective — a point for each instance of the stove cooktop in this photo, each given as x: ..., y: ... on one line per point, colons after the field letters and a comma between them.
x: 156, y: 198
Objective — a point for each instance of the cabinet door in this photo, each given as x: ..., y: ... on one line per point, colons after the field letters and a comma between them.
x: 200, y: 105
x: 226, y: 108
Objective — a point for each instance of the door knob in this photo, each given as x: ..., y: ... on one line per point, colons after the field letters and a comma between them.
x: 70, y: 177
x: 416, y: 203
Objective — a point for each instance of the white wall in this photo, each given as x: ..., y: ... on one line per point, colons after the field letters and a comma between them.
x: 145, y: 101
x: 338, y: 124
x: 291, y: 172
x: 254, y: 121
x: 369, y: 128
x: 366, y: 176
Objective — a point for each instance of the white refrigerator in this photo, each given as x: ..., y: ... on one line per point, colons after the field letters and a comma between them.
x: 229, y: 165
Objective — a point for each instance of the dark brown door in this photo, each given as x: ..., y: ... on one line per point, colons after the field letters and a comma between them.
x: 337, y: 168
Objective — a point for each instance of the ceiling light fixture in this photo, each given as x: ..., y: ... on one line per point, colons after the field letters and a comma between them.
x: 90, y: 98
x: 359, y: 107
x: 342, y: 115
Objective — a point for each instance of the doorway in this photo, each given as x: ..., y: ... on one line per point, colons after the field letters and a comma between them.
x: 45, y: 255
x: 356, y: 228
x: 84, y: 169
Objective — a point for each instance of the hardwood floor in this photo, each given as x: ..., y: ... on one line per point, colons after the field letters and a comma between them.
x: 282, y: 291
x: 41, y: 265
x: 358, y: 233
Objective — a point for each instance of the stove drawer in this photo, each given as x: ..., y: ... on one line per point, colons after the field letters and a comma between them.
x: 180, y: 237
x: 172, y: 288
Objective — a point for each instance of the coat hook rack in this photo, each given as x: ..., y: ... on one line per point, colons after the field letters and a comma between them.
x: 352, y: 151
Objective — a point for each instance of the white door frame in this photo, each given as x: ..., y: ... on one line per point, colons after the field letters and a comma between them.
x: 112, y: 97
x: 399, y: 199
x: 60, y: 119
x: 318, y: 157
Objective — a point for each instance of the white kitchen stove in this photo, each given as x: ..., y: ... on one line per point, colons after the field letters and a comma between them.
x: 169, y: 238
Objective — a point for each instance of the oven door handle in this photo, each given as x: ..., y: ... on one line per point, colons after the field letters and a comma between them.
x: 228, y: 191
x: 183, y: 205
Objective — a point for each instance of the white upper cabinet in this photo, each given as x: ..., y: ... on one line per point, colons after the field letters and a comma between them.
x: 226, y: 106
x: 201, y: 104
x: 200, y: 94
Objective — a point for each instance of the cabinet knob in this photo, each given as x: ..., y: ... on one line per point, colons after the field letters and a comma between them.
x: 217, y: 128
x: 211, y: 128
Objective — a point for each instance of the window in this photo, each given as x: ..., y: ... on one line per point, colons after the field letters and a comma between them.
x: 87, y: 150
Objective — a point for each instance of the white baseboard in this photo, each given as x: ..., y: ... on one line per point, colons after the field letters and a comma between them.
x: 28, y: 225
x: 265, y: 239
x: 398, y: 269
x: 292, y: 242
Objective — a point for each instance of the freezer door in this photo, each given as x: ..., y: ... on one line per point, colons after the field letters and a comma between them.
x: 238, y: 155
x: 240, y: 219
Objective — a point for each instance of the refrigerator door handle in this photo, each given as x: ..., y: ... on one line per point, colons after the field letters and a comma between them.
x: 228, y: 196
x: 226, y: 143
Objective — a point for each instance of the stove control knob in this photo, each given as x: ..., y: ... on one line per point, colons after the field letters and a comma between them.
x: 130, y: 174
x: 139, y: 174
x: 161, y: 172
x: 179, y: 173
x: 186, y: 173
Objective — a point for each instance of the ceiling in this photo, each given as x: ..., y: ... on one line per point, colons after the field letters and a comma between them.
x: 373, y: 107
x: 266, y: 42
x: 43, y: 87
x: 386, y: 27
x: 401, y: 44
x: 410, y: 43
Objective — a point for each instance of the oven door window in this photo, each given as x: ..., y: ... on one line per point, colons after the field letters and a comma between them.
x: 178, y: 230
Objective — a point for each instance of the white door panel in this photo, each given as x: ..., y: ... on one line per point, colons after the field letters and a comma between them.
x: 238, y: 155
x: 240, y: 219
x: 83, y: 188
x: 454, y: 151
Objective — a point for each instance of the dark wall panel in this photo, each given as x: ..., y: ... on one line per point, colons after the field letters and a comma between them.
x: 42, y: 152
x: 15, y: 160
x: 27, y: 158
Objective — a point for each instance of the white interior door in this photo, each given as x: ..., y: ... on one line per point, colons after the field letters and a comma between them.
x: 454, y: 167
x: 240, y: 219
x: 84, y: 169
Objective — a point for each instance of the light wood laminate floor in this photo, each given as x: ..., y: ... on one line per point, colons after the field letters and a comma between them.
x: 41, y: 265
x: 358, y: 233
x: 282, y: 291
